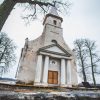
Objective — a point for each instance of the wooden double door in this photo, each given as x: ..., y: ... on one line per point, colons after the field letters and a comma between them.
x: 53, y: 77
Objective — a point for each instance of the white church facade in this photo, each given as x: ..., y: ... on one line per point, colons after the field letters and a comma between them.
x: 47, y: 60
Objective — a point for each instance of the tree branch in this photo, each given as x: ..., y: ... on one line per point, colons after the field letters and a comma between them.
x: 34, y: 2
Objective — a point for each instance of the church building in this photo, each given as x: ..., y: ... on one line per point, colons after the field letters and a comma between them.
x: 48, y: 60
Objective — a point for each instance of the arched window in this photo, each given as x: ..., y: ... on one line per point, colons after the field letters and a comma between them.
x: 54, y: 41
x: 54, y: 22
x: 53, y: 62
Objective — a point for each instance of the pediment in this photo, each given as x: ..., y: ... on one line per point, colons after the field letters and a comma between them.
x: 55, y: 49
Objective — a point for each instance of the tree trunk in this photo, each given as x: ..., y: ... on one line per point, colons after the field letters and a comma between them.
x: 5, y: 9
x: 7, y: 6
x: 83, y: 69
x: 84, y: 75
x: 94, y: 81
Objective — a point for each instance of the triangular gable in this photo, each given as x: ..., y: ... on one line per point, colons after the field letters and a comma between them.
x: 55, y: 49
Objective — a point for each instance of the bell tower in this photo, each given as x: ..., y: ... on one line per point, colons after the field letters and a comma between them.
x: 52, y: 27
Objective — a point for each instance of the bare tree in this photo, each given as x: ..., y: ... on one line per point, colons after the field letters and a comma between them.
x: 34, y: 5
x: 87, y: 57
x: 81, y: 56
x: 92, y: 56
x: 7, y: 55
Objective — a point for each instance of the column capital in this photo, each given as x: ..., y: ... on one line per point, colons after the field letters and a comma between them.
x: 39, y: 55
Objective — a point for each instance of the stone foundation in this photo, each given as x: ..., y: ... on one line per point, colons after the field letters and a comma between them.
x: 9, y: 95
x: 22, y: 92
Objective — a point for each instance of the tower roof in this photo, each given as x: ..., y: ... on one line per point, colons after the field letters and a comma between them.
x: 53, y: 11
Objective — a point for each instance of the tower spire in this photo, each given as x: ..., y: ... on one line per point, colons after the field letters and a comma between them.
x: 53, y: 11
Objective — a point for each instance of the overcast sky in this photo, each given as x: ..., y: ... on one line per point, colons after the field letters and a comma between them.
x: 83, y: 21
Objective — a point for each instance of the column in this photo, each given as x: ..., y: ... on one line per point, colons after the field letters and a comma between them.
x: 45, y: 72
x: 62, y: 71
x: 38, y: 71
x: 69, y: 72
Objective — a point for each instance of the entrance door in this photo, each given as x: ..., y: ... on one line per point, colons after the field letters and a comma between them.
x: 53, y: 77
